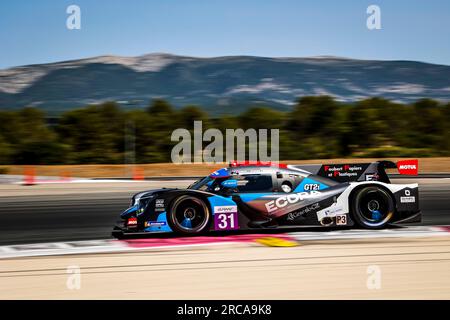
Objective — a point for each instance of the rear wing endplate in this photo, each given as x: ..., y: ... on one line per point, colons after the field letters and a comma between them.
x: 374, y: 171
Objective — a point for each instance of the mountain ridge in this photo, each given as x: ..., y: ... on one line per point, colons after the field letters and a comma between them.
x: 217, y: 82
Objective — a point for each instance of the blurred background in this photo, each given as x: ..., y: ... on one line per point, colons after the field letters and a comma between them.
x: 315, y: 128
x: 84, y: 85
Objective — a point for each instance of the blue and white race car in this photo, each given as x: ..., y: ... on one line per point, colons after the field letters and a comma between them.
x: 256, y: 195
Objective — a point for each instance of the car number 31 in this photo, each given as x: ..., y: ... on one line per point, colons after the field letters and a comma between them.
x: 226, y: 221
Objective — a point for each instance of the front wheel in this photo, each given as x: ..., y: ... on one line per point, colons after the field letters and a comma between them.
x: 373, y: 207
x: 189, y: 215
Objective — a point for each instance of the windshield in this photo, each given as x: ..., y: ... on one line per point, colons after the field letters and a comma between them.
x: 201, y: 184
x: 208, y: 184
x: 246, y: 183
x: 255, y: 183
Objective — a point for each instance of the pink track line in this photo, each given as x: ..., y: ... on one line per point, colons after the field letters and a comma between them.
x: 144, y: 243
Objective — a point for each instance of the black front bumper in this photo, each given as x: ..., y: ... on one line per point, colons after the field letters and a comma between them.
x: 408, y: 217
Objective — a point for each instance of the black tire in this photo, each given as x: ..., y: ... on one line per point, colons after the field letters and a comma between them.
x: 189, y: 215
x: 117, y: 233
x: 373, y: 207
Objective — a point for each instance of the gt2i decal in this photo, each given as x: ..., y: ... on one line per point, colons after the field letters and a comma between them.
x: 226, y: 218
x: 311, y: 186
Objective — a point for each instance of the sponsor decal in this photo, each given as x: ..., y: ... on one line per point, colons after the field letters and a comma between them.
x: 155, y: 223
x: 344, y: 167
x: 345, y: 174
x: 294, y: 215
x: 331, y: 212
x: 372, y: 177
x: 132, y: 222
x: 408, y: 167
x: 283, y: 201
x: 344, y: 171
x: 334, y: 210
x: 159, y: 205
x: 341, y: 219
x: 140, y: 211
x: 407, y: 199
x: 225, y: 209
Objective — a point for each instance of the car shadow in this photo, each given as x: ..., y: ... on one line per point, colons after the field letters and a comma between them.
x: 268, y: 231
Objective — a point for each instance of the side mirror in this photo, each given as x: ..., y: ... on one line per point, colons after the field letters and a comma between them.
x: 230, y: 184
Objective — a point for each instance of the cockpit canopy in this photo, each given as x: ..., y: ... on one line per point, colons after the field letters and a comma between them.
x: 253, y: 179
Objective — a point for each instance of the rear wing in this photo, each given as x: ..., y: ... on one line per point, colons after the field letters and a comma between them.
x: 374, y: 171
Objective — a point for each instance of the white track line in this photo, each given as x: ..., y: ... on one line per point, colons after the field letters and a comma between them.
x: 109, y: 245
x: 407, y: 232
x: 103, y: 246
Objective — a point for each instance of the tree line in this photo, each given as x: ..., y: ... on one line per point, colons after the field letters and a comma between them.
x: 315, y: 127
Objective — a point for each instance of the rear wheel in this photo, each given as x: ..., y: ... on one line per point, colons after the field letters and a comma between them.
x: 189, y: 215
x: 373, y: 207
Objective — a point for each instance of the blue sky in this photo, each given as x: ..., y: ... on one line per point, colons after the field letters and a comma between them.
x: 35, y: 31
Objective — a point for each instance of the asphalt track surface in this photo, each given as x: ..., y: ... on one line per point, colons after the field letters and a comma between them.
x: 30, y: 215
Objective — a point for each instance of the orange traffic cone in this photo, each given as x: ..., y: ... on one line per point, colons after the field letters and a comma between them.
x: 29, y: 176
x: 138, y: 173
x: 65, y: 176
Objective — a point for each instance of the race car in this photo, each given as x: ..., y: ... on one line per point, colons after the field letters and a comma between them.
x: 253, y: 195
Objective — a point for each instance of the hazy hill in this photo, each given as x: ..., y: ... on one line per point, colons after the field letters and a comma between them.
x: 217, y: 83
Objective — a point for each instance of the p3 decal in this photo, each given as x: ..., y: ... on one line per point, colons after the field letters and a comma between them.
x: 341, y: 220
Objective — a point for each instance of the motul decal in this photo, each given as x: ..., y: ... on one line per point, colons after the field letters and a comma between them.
x: 409, y: 167
x: 132, y: 222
